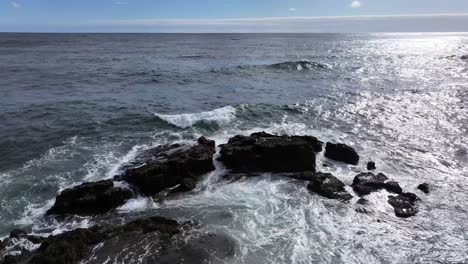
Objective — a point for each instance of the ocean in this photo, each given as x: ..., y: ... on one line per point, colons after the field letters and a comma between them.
x: 77, y: 107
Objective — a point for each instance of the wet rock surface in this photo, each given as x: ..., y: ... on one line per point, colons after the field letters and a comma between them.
x: 371, y: 166
x: 424, y: 187
x: 263, y: 152
x: 151, y: 240
x: 328, y: 186
x: 90, y: 198
x: 404, y: 204
x: 168, y: 165
x: 366, y: 183
x: 341, y: 152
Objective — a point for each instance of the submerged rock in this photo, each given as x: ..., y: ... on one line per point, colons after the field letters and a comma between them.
x: 170, y: 165
x: 263, y: 152
x: 366, y: 183
x: 90, y: 198
x: 424, y: 187
x: 404, y: 204
x: 341, y: 152
x: 328, y: 186
x: 371, y: 165
x: 464, y: 57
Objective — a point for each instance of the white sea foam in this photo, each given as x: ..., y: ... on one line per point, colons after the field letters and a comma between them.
x: 137, y: 205
x: 220, y: 116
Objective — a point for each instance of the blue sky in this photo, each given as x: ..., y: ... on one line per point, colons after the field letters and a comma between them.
x: 233, y: 15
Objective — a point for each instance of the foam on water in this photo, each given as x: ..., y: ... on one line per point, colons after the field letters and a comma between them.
x: 219, y: 116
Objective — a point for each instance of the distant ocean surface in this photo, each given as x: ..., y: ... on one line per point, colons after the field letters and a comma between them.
x: 76, y: 107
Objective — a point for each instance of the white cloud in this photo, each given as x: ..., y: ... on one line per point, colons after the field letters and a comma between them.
x: 15, y: 4
x: 356, y: 4
x: 292, y: 9
x: 121, y: 3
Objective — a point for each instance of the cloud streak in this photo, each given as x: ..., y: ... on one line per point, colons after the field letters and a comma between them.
x: 388, y: 23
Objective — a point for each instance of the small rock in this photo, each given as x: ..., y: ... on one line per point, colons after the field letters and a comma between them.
x: 341, y: 152
x: 90, y: 198
x: 328, y: 186
x: 371, y: 165
x: 404, y: 204
x: 366, y: 183
x: 18, y: 233
x: 464, y: 57
x: 424, y: 187
x: 263, y: 152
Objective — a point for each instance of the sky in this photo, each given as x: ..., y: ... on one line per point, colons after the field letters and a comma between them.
x: 233, y: 15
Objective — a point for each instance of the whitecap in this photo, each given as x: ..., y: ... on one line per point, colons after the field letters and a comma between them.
x: 220, y: 116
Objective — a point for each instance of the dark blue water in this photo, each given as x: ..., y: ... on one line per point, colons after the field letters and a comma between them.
x: 75, y: 107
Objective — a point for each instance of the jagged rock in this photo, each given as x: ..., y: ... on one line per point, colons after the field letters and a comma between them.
x: 366, y: 183
x: 152, y: 240
x: 424, y: 187
x: 263, y: 152
x: 371, y: 165
x: 324, y: 184
x: 404, y: 204
x: 328, y: 186
x: 168, y: 165
x: 341, y: 152
x: 185, y: 185
x: 90, y: 198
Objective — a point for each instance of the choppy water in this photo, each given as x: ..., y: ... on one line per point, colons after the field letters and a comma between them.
x: 76, y: 107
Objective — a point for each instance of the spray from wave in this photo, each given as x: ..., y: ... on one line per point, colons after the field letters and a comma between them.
x: 219, y: 116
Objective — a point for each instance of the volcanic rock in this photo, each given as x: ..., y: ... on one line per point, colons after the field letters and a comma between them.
x: 169, y: 165
x: 90, y: 198
x: 371, y: 165
x: 366, y: 183
x: 341, y: 152
x: 404, y: 204
x: 263, y: 152
x: 424, y: 187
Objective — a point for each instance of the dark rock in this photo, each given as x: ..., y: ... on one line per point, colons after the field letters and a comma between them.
x: 366, y: 183
x: 90, y: 199
x: 341, y: 152
x: 68, y: 247
x: 363, y: 201
x: 263, y: 152
x: 371, y: 165
x: 464, y: 57
x: 17, y: 233
x: 328, y: 186
x: 404, y: 204
x: 187, y: 184
x: 152, y: 240
x: 424, y: 187
x: 168, y: 165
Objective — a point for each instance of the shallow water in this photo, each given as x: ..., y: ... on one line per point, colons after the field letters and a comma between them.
x: 76, y: 107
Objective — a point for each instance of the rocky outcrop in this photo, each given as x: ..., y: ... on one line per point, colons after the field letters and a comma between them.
x: 371, y: 166
x: 404, y: 204
x: 152, y: 240
x: 263, y: 152
x: 169, y: 165
x: 341, y: 152
x: 424, y: 187
x: 90, y: 199
x: 328, y: 186
x: 366, y: 183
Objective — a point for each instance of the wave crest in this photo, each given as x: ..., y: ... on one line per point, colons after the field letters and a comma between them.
x: 299, y: 65
x: 219, y: 116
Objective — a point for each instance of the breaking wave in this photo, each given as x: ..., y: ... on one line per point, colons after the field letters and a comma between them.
x: 219, y: 116
x: 299, y: 65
